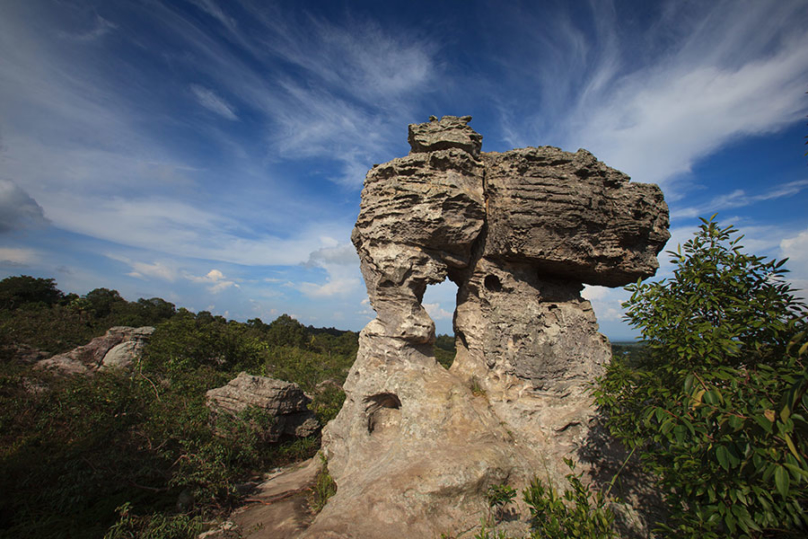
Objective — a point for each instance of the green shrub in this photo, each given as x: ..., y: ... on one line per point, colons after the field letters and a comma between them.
x: 499, y: 496
x: 718, y: 405
x: 324, y: 487
x: 578, y: 512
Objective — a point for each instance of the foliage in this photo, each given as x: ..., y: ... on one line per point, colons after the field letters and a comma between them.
x: 115, y: 454
x: 718, y: 405
x: 324, y: 487
x: 158, y: 526
x: 477, y: 388
x: 578, y: 512
x: 189, y: 341
x: 445, y: 350
x: 24, y: 289
x: 499, y: 496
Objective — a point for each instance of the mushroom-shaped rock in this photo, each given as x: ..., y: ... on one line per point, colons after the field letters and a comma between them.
x: 414, y: 449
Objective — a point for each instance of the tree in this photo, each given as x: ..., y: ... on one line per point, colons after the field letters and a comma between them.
x: 103, y: 300
x: 718, y: 406
x: 24, y: 289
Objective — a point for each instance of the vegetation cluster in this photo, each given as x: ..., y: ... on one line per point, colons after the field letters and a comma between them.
x: 138, y: 454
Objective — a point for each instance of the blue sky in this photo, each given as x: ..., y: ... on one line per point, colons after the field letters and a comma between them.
x: 212, y: 152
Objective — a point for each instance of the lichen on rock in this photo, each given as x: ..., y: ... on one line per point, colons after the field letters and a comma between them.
x: 414, y: 449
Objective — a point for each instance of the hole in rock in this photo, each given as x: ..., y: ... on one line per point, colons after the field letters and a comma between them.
x: 492, y: 283
x: 384, y: 411
x: 440, y: 302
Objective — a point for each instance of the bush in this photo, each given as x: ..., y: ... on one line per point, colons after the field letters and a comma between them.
x: 578, y: 512
x: 718, y: 404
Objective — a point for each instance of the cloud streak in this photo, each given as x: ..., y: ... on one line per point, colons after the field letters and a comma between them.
x: 740, y: 198
x: 728, y: 70
x: 214, y: 103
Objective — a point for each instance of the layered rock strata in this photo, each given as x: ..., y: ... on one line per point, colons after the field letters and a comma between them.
x: 415, y: 447
x: 284, y: 402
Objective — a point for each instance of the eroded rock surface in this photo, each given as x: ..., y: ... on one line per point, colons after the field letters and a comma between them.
x: 118, y: 348
x: 415, y: 447
x: 284, y: 401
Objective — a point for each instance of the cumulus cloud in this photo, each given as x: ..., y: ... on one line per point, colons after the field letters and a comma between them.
x: 215, y: 279
x: 213, y: 102
x: 17, y: 209
x: 437, y: 312
x: 341, y: 265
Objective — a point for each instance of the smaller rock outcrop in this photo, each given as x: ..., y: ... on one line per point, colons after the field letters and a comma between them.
x: 118, y: 348
x: 284, y: 401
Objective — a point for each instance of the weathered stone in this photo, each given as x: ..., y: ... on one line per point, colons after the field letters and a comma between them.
x: 284, y: 401
x: 415, y: 447
x: 449, y: 132
x: 124, y: 355
x: 572, y: 216
x: 122, y: 342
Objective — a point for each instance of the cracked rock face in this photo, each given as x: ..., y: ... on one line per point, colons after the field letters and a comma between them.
x: 415, y: 447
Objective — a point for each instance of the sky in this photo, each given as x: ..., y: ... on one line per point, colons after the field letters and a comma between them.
x: 212, y: 152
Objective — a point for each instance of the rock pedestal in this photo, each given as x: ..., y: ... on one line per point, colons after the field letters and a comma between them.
x: 415, y: 447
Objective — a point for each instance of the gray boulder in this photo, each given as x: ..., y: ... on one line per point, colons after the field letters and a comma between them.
x: 284, y: 401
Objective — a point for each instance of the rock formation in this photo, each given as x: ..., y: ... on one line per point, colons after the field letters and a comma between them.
x: 284, y: 401
x: 118, y: 348
x: 415, y: 446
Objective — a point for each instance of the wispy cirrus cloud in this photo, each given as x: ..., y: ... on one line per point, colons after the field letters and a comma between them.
x: 213, y: 102
x: 740, y: 198
x: 100, y: 28
x: 726, y: 70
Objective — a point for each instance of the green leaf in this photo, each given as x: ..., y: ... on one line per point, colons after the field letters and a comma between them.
x: 722, y: 455
x: 781, y: 481
x: 799, y: 472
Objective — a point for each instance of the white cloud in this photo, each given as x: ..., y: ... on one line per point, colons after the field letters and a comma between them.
x: 10, y: 256
x: 702, y: 76
x: 341, y: 264
x: 101, y: 27
x: 213, y: 102
x: 437, y: 312
x: 591, y: 292
x: 217, y: 280
x: 17, y: 209
x: 344, y: 254
x: 740, y: 198
x: 143, y: 270
x: 795, y: 249
x: 333, y: 287
x: 211, y: 8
